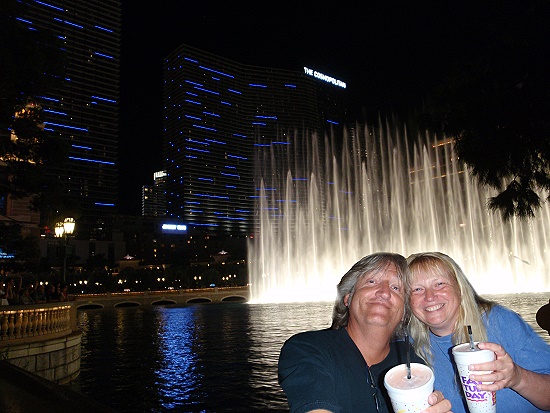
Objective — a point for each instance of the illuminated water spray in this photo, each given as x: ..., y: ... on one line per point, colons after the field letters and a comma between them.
x: 322, y: 210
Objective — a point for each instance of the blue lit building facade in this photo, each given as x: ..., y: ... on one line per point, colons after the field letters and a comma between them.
x: 84, y: 110
x: 226, y: 125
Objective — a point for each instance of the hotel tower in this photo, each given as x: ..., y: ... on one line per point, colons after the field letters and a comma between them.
x: 227, y: 124
x: 84, y: 110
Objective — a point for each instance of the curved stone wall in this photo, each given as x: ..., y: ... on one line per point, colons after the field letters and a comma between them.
x: 42, y: 339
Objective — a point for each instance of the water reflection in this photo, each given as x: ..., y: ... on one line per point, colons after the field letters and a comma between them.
x: 205, y: 358
x: 177, y: 378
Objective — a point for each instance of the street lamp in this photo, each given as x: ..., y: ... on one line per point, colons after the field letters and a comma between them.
x: 59, y: 230
x: 65, y: 229
x: 68, y: 225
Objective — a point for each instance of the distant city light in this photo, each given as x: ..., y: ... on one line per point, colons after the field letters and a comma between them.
x: 5, y: 255
x: 174, y: 228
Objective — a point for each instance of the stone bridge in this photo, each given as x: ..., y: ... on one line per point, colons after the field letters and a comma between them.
x: 167, y: 297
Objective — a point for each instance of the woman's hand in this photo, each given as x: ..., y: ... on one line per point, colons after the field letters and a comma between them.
x: 532, y: 386
x: 505, y: 373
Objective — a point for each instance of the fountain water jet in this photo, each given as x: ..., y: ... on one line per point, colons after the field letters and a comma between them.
x: 383, y: 193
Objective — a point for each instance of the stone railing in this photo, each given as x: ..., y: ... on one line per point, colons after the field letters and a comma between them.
x: 42, y: 339
x: 29, y: 323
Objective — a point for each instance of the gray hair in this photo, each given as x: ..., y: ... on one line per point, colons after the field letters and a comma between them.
x: 371, y: 264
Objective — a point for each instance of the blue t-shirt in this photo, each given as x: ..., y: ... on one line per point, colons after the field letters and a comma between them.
x: 520, y: 341
x: 325, y: 370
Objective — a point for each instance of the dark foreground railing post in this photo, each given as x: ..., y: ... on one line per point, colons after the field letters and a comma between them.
x: 543, y: 317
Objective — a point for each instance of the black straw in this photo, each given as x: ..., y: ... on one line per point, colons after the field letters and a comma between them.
x: 472, y: 346
x: 408, y: 353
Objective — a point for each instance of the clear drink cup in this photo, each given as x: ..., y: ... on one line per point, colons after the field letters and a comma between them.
x: 409, y: 395
x: 479, y: 401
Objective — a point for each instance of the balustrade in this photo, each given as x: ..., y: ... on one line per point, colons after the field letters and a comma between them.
x: 19, y: 323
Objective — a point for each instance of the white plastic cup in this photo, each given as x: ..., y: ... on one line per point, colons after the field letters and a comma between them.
x: 479, y: 401
x: 409, y: 395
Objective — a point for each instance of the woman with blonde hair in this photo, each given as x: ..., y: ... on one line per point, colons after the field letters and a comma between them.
x: 444, y: 303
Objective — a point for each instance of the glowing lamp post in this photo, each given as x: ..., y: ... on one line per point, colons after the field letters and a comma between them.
x: 59, y: 230
x: 65, y: 229
x: 68, y: 226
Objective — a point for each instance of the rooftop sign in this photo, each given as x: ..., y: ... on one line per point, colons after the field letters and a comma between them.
x: 174, y: 229
x: 326, y: 78
x: 159, y: 174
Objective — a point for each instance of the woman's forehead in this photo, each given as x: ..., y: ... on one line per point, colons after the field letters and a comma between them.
x: 431, y: 271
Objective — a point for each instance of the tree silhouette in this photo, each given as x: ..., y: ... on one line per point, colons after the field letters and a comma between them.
x: 495, y: 101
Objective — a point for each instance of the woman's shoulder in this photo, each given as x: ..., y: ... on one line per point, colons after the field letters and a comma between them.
x: 504, y: 314
x: 502, y: 321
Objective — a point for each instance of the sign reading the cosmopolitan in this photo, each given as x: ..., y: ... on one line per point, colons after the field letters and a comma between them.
x: 326, y: 78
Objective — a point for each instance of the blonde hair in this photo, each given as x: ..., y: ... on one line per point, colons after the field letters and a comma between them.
x: 472, y: 307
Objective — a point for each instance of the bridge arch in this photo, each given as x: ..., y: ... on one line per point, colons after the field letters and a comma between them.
x: 123, y: 304
x: 234, y: 299
x: 164, y: 302
x: 198, y: 300
x: 89, y: 306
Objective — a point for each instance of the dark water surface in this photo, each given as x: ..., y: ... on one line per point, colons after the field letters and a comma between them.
x: 205, y: 358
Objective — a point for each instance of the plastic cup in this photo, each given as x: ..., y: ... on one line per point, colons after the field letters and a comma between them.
x: 479, y: 401
x: 409, y: 395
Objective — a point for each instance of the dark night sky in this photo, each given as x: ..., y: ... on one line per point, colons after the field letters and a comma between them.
x: 385, y: 52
